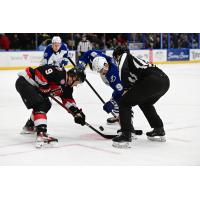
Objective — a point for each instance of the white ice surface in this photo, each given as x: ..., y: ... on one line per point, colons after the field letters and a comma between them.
x: 179, y: 109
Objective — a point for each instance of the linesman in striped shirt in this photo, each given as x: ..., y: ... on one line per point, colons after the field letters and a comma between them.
x: 144, y: 84
x: 83, y: 46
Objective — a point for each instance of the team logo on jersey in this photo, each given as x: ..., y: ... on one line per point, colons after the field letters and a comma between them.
x: 62, y: 82
x: 112, y: 78
x: 93, y: 54
x: 119, y: 87
x: 46, y: 54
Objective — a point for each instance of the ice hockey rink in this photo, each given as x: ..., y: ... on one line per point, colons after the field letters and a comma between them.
x: 78, y: 145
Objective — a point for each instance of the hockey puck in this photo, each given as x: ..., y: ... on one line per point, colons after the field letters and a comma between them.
x: 138, y: 132
x: 101, y: 128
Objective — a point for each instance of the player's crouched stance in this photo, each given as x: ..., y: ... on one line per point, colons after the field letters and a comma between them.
x: 35, y: 85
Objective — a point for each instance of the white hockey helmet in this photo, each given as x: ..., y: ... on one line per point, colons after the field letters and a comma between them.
x: 56, y: 39
x: 98, y: 63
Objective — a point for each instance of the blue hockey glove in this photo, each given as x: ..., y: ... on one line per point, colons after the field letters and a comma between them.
x: 108, y: 106
x: 81, y: 65
x: 63, y: 63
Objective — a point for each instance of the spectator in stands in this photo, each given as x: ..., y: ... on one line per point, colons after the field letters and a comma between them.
x: 97, y: 42
x: 27, y: 41
x: 15, y: 44
x: 77, y: 39
x: 70, y: 41
x: 4, y: 42
x: 114, y: 43
x: 120, y: 40
x: 157, y: 42
x: 44, y: 44
x: 151, y: 41
x: 184, y: 42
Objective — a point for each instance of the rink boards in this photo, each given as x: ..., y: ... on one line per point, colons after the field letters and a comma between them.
x: 12, y: 60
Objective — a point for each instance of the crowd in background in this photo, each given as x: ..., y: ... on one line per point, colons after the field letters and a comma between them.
x: 39, y: 41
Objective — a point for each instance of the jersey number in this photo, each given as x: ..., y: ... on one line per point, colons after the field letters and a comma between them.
x: 48, y: 71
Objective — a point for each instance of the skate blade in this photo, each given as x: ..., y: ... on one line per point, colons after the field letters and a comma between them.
x: 110, y: 123
x: 133, y: 136
x: 157, y: 139
x: 24, y: 131
x: 122, y: 145
x: 52, y: 144
x: 27, y: 132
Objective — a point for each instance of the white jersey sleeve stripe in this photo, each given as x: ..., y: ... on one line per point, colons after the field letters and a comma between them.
x: 121, y: 64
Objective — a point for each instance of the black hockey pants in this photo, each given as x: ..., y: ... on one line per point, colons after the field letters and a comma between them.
x: 144, y: 93
x: 31, y: 96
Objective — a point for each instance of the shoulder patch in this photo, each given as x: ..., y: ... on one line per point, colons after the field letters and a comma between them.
x: 93, y: 54
x: 112, y: 78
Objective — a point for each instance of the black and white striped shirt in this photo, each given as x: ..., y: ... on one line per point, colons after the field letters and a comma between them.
x: 131, y: 69
x: 84, y: 46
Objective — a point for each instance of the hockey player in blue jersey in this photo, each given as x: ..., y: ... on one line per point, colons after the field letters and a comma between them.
x: 87, y: 58
x: 109, y: 73
x: 56, y: 53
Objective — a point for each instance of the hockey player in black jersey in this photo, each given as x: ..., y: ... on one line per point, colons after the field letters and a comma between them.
x: 144, y: 84
x: 34, y: 85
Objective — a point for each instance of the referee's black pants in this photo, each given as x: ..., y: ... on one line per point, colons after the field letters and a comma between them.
x: 145, y: 93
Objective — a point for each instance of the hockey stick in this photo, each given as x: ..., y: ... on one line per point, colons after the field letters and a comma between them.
x: 87, y: 124
x: 92, y: 87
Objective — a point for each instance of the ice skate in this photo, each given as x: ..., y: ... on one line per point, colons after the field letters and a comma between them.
x: 157, y: 134
x: 123, y: 141
x: 112, y: 120
x: 45, y: 140
x: 134, y: 133
x: 29, y: 128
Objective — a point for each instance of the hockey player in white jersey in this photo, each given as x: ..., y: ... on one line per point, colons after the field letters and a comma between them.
x: 56, y: 53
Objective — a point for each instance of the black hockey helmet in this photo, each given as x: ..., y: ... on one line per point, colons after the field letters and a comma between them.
x: 119, y: 50
x: 78, y: 73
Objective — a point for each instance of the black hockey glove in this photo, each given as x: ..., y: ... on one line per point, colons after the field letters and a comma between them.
x: 79, y: 116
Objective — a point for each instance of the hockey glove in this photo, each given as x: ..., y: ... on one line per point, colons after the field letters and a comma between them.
x: 63, y: 63
x: 81, y: 65
x: 108, y: 106
x: 79, y: 116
